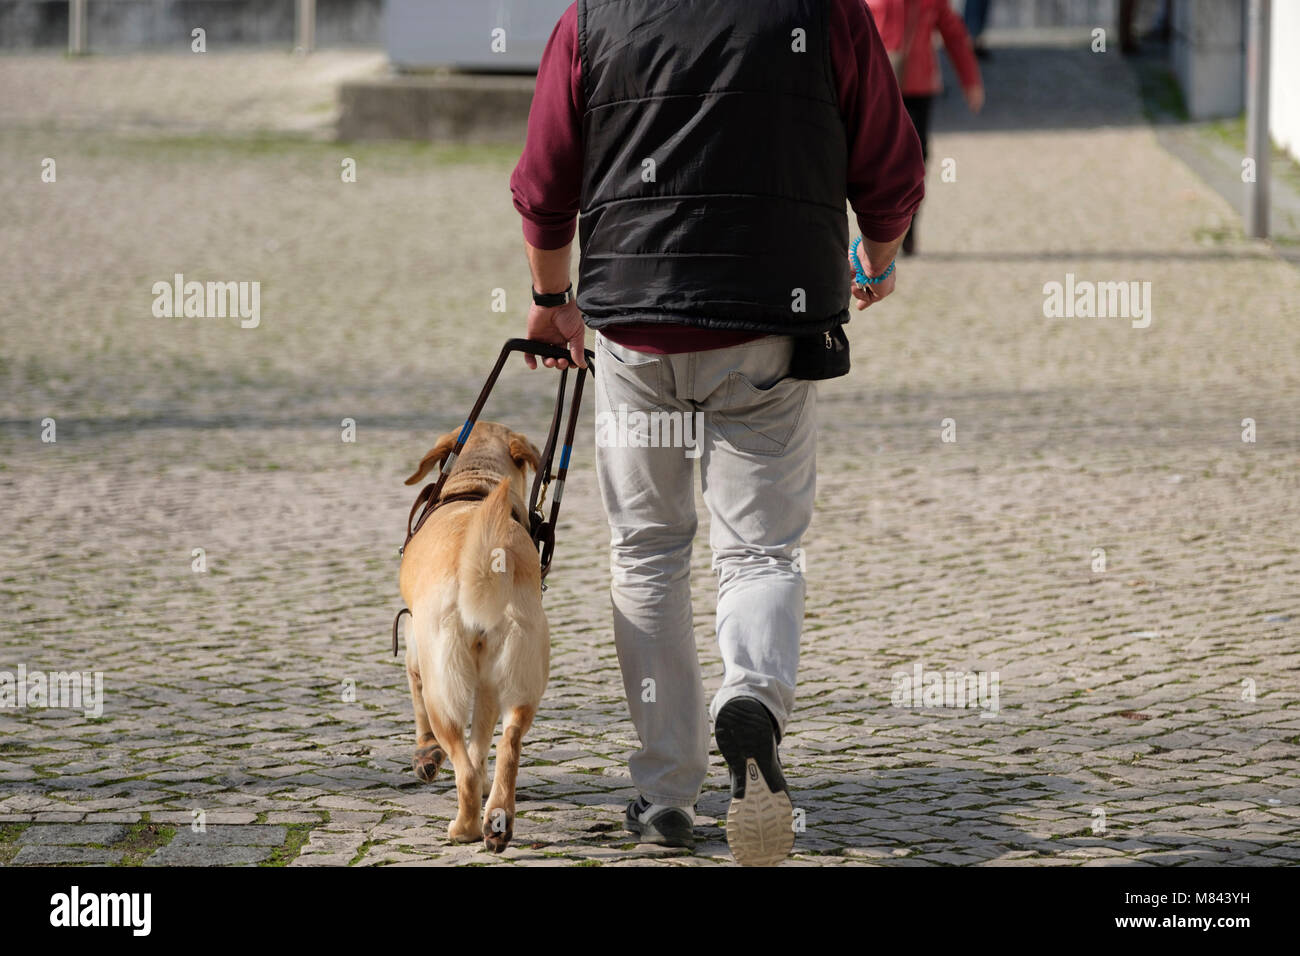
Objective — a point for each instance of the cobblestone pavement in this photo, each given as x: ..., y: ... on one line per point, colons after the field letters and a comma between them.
x: 1147, y: 692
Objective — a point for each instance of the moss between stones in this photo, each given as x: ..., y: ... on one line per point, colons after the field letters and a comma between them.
x: 8, y: 840
x: 141, y: 840
x: 361, y: 852
x: 297, y: 834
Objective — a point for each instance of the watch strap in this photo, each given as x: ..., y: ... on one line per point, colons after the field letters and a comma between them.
x: 549, y: 300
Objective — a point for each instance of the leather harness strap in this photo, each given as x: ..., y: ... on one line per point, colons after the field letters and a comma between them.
x: 475, y: 496
x: 426, y: 494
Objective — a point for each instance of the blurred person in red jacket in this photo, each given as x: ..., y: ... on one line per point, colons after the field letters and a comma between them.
x: 907, y: 28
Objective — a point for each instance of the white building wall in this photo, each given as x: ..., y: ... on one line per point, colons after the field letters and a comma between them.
x: 1209, y: 56
x: 1284, y: 76
x: 504, y: 35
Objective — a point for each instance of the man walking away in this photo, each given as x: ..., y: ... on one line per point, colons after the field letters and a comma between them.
x: 710, y: 147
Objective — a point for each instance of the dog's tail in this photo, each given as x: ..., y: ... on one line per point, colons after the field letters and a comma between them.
x: 485, y: 562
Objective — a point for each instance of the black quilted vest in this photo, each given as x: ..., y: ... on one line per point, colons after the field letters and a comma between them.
x: 713, y: 187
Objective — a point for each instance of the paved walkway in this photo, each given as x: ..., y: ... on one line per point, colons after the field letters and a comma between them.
x: 1148, y: 713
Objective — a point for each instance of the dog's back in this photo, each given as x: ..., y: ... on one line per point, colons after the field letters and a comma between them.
x: 476, y: 609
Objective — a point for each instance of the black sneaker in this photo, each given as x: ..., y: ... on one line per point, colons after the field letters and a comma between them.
x: 661, y: 825
x: 760, y: 820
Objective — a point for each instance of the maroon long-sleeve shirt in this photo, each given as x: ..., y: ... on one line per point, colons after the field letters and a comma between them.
x: 886, y: 176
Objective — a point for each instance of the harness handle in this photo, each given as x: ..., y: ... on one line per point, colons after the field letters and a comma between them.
x: 429, y: 495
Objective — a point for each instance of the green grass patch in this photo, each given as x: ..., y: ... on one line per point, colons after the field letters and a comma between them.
x: 141, y: 841
x: 287, y: 852
x: 1162, y: 97
x: 310, y: 151
x: 1232, y: 132
x: 9, y: 840
x: 315, y: 159
x: 1214, y: 234
x: 17, y: 748
x: 361, y: 852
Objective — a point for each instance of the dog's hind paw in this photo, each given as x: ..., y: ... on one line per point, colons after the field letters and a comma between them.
x: 498, y: 830
x: 427, y: 760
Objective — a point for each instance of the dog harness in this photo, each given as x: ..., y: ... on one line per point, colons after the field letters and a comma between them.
x: 541, y: 528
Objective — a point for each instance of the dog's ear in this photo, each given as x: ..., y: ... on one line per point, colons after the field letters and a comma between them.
x: 437, y: 454
x: 524, y: 452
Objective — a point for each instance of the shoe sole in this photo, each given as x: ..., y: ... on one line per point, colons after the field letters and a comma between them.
x: 676, y: 836
x: 760, y: 825
x: 760, y: 821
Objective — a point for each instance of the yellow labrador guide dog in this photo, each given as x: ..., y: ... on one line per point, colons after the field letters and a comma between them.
x: 477, y: 645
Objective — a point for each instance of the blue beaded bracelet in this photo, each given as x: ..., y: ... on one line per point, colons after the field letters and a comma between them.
x: 861, y: 277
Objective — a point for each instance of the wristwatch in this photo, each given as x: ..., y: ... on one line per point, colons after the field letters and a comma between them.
x: 550, y: 300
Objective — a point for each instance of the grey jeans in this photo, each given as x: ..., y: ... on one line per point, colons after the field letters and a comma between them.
x: 754, y: 433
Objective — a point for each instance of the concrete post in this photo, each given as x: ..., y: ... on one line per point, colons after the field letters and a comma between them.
x: 306, y: 26
x: 76, y: 27
x: 1258, y: 145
